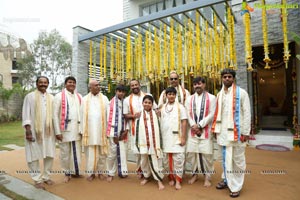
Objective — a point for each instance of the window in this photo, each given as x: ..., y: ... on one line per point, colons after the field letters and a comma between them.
x: 14, y: 64
x: 14, y: 80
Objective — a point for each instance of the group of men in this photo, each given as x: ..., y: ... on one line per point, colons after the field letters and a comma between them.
x: 179, y: 130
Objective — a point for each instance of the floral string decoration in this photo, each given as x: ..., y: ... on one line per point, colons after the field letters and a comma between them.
x: 246, y: 19
x: 265, y: 35
x: 286, y: 52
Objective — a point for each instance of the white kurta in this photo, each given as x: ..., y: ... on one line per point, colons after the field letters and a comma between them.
x: 70, y: 146
x: 112, y: 162
x: 95, y: 117
x: 137, y: 106
x: 34, y: 150
x: 163, y: 99
x: 234, y: 162
x: 72, y: 133
x: 169, y: 128
x: 96, y: 114
x: 200, y: 144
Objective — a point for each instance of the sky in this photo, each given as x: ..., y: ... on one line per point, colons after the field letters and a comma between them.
x: 26, y: 18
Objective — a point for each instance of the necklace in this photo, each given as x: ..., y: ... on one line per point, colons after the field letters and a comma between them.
x: 170, y: 109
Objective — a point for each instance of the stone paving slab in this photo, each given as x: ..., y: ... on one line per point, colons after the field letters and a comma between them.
x: 3, y: 197
x: 13, y: 146
x: 27, y: 190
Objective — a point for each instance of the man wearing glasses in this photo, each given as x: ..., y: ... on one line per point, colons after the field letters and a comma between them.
x: 182, y: 93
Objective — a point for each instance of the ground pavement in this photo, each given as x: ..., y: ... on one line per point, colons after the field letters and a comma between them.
x: 270, y: 175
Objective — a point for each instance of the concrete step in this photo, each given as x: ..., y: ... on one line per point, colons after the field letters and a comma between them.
x: 284, y: 138
x: 27, y: 190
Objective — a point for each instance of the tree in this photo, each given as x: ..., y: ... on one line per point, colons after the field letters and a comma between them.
x: 27, y: 71
x: 52, y: 55
x: 296, y: 37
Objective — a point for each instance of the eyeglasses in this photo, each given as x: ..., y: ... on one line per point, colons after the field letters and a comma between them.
x: 173, y: 79
x: 227, y: 77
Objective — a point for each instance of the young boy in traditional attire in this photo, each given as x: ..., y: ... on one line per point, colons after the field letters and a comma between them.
x: 148, y: 143
x: 173, y: 129
x: 117, y: 134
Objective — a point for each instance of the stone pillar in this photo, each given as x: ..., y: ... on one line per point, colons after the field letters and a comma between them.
x: 80, y: 59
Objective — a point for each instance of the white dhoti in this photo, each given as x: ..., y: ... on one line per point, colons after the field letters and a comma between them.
x: 202, y: 164
x: 117, y: 158
x: 234, y: 165
x: 70, y: 157
x: 95, y: 161
x: 174, y: 165
x: 151, y: 165
x: 35, y: 172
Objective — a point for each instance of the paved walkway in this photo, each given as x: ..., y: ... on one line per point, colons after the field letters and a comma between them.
x: 272, y: 175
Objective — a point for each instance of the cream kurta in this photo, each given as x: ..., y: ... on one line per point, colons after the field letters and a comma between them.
x: 137, y: 106
x: 169, y: 127
x: 163, y: 99
x: 34, y: 150
x: 72, y: 133
x: 95, y: 117
x: 111, y: 130
x: 234, y: 163
x: 224, y: 137
x: 200, y: 144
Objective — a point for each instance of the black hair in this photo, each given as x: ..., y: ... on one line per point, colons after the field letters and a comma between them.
x: 134, y: 80
x: 149, y: 97
x: 70, y: 78
x: 121, y: 88
x: 198, y: 79
x: 228, y: 71
x: 171, y: 89
x: 39, y: 77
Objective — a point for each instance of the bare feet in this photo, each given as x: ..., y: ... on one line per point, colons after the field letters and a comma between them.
x: 109, y: 178
x: 39, y: 186
x: 91, y: 177
x: 171, y: 183
x: 49, y: 182
x: 207, y: 182
x: 177, y: 185
x: 193, y: 179
x: 67, y: 179
x: 160, y: 185
x: 101, y: 176
x: 144, y: 181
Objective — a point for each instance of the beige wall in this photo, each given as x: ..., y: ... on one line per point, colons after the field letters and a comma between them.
x: 5, y: 71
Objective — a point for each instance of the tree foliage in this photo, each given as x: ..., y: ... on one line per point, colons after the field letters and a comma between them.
x: 51, y: 57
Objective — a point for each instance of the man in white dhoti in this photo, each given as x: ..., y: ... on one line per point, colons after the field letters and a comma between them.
x: 94, y: 140
x: 199, y: 148
x: 132, y: 111
x: 66, y: 119
x: 117, y: 134
x: 173, y: 130
x: 148, y: 143
x: 181, y: 95
x: 40, y: 137
x: 231, y: 125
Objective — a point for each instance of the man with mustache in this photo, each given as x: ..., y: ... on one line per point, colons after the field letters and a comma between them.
x: 40, y: 137
x: 200, y: 109
x: 133, y: 105
x: 182, y: 93
x: 231, y: 126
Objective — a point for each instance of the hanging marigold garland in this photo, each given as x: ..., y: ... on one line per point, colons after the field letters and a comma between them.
x: 265, y: 35
x: 91, y: 59
x: 286, y: 52
x: 248, y: 47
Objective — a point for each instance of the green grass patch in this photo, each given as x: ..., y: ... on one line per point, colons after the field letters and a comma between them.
x: 11, y: 133
x: 11, y: 194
